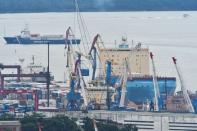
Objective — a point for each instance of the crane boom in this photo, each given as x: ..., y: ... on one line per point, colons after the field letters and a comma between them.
x: 78, y: 73
x: 75, y: 75
x: 155, y: 85
x: 93, y: 43
x: 82, y: 88
x: 183, y: 88
x: 76, y: 80
x: 69, y: 52
x: 80, y: 53
x: 107, y: 82
x: 124, y: 81
x: 93, y: 56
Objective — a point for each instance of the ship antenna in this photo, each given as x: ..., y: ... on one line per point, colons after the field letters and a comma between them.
x: 115, y: 43
x: 124, y: 39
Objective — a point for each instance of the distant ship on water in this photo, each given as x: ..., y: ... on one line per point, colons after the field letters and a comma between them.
x: 27, y: 38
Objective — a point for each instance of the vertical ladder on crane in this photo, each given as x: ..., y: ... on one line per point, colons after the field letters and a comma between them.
x: 183, y: 88
x: 155, y: 85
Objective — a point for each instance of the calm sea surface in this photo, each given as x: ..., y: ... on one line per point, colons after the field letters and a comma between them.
x: 166, y: 34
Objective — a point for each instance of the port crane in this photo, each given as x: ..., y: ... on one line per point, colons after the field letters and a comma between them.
x: 74, y: 97
x: 75, y: 75
x: 107, y: 81
x: 158, y: 100
x: 69, y: 48
x: 92, y: 53
x: 80, y: 78
x: 183, y: 88
x: 119, y: 100
x: 18, y: 67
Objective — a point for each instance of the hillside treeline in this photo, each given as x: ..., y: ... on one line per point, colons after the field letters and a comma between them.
x: 14, y: 6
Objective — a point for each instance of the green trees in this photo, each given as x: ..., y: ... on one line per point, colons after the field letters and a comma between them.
x: 129, y: 128
x: 88, y: 125
x: 107, y: 126
x: 58, y: 123
x: 30, y: 122
x: 63, y: 123
x: 6, y: 117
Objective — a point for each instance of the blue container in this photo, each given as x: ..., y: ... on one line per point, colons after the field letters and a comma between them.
x: 194, y: 103
x: 85, y: 72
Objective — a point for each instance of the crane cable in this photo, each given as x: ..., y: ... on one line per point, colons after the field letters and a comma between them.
x: 82, y: 28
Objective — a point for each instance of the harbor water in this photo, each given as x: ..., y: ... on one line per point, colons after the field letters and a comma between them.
x: 167, y: 34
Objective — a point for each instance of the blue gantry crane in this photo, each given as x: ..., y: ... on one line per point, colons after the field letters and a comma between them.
x: 74, y: 96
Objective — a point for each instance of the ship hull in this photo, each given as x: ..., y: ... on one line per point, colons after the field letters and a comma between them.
x: 140, y: 89
x: 26, y: 41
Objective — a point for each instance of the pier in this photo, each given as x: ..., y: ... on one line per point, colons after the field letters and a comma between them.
x: 145, y: 121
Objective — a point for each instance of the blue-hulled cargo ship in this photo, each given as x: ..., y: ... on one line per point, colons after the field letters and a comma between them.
x: 140, y: 83
x: 140, y: 89
x: 27, y: 38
